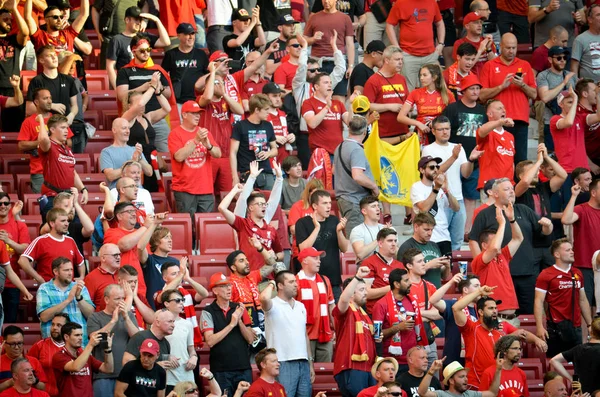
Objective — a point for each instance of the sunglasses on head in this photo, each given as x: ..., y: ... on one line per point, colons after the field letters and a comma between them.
x: 5, y: 203
x: 314, y: 70
x: 148, y: 50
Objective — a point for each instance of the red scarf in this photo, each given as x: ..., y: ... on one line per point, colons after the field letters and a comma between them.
x: 359, y: 350
x: 189, y: 313
x: 307, y: 298
x: 173, y: 117
x: 394, y: 316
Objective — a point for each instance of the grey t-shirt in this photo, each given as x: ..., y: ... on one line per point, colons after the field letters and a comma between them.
x: 563, y: 17
x: 468, y: 393
x: 291, y: 194
x: 114, y: 157
x: 99, y: 320
x: 586, y: 50
x: 352, y: 154
x: 547, y: 78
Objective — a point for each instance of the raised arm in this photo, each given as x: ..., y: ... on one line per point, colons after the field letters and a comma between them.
x: 458, y: 308
x: 423, y: 389
x: 346, y: 296
x: 517, y: 235
x: 569, y: 216
x: 163, y: 35
x: 224, y: 205
x: 84, y: 13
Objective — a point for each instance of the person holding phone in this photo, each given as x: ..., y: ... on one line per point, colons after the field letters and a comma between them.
x: 511, y: 376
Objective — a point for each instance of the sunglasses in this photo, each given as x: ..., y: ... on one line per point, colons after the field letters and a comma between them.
x: 561, y: 58
x: 314, y: 70
x: 5, y: 203
x: 55, y: 17
x: 191, y: 391
x: 434, y: 167
x: 295, y: 45
x: 395, y: 393
x: 177, y: 300
x: 148, y: 50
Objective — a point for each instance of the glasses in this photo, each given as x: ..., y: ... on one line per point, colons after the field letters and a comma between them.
x: 261, y: 204
x: 314, y: 70
x: 221, y: 60
x: 5, y: 203
x: 130, y: 212
x: 147, y: 50
x: 14, y: 344
x: 130, y: 186
x: 561, y: 58
x: 116, y: 256
x: 433, y: 167
x: 191, y: 391
x: 176, y: 300
x: 56, y: 17
x: 295, y: 45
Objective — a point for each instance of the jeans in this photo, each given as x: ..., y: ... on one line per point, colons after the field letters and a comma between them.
x: 104, y: 387
x: 214, y: 39
x: 351, y: 382
x: 294, y: 376
x: 228, y: 380
x: 456, y: 225
x: 10, y: 298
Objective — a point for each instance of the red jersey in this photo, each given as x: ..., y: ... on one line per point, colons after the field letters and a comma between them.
x: 453, y: 79
x: 63, y: 41
x: 482, y: 59
x: 558, y: 286
x: 479, y: 347
x: 29, y: 132
x: 173, y: 12
x: 586, y: 234
x: 251, y: 87
x: 245, y: 290
x: 234, y: 84
x: 429, y: 105
x: 17, y: 231
x: 194, y: 174
x: 44, y: 249
x: 514, y: 99
x: 297, y: 212
x: 284, y: 74
x: 215, y: 117
x: 12, y: 392
x: 417, y: 293
x: 569, y: 143
x: 262, y: 388
x: 517, y: 7
x: 5, y: 363
x: 382, y: 90
x: 96, y: 281
x: 328, y: 134
x: 592, y: 139
x: 113, y: 235
x: 58, y: 166
x: 497, y: 272
x: 416, y: 19
x: 497, y: 160
x: 267, y: 235
x: 379, y: 271
x: 44, y: 350
x: 514, y: 378
x: 78, y: 383
x: 346, y: 325
x: 279, y: 123
x: 4, y: 257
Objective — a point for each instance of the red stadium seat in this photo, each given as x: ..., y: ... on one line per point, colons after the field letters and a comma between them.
x: 92, y: 181
x: 167, y: 182
x: 207, y: 265
x: 214, y: 235
x: 96, y: 161
x: 159, y: 199
x: 103, y: 100
x: 94, y: 262
x: 532, y: 367
x: 33, y: 222
x: 9, y: 143
x: 97, y: 80
x: 166, y: 156
x: 15, y: 164
x: 32, y: 332
x: 348, y: 260
x: 83, y: 163
x: 93, y: 117
x: 94, y: 205
x: 8, y: 183
x: 109, y: 115
x: 95, y: 145
x: 23, y: 184
x: 180, y: 226
x: 30, y: 204
x: 26, y: 76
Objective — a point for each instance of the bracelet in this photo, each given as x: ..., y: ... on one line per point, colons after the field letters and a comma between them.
x: 513, y: 221
x: 153, y: 87
x: 82, y: 189
x: 546, y: 11
x: 430, y: 374
x: 108, y: 351
x: 211, y: 378
x: 261, y: 249
x: 79, y: 299
x: 359, y: 279
x: 210, y: 148
x: 436, y: 191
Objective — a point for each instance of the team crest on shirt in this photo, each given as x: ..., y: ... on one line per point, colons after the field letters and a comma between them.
x: 497, y: 70
x: 224, y: 106
x: 71, y: 251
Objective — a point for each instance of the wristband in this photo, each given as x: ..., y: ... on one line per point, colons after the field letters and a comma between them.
x: 513, y: 221
x: 210, y: 148
x: 546, y: 11
x: 82, y: 189
x: 436, y: 191
x: 79, y: 299
x: 211, y: 378
x: 430, y: 374
x: 359, y: 279
x: 108, y: 351
x: 261, y: 249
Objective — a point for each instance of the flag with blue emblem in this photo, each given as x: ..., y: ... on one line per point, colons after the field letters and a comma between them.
x: 394, y: 167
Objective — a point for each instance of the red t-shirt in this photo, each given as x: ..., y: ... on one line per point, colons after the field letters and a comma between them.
x: 539, y: 59
x: 233, y: 86
x: 328, y: 134
x: 416, y: 31
x: 429, y: 104
x: 4, y: 257
x: 408, y: 339
x: 517, y: 7
x: 44, y: 249
x: 592, y: 140
x: 113, y: 235
x: 59, y: 167
x: 29, y: 132
x: 497, y: 272
x: 586, y: 234
x: 17, y: 231
x: 345, y: 332
x: 279, y: 123
x: 174, y: 12
x: 514, y: 99
x: 63, y: 41
x: 514, y: 378
x: 479, y: 347
x: 32, y: 393
x: 557, y: 284
x: 44, y: 350
x: 482, y: 59
x: 215, y: 118
x: 497, y: 160
x: 251, y: 87
x: 267, y: 235
x: 382, y: 90
x: 569, y: 143
x: 262, y: 388
x: 297, y: 211
x: 74, y: 383
x: 417, y: 293
x: 194, y: 174
x: 284, y: 74
x: 244, y: 289
x: 96, y: 281
x: 5, y: 373
x: 453, y: 79
x: 379, y: 271
x: 372, y: 391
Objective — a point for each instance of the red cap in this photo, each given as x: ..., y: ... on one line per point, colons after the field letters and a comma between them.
x: 468, y: 81
x: 150, y: 346
x: 310, y: 251
x: 218, y: 279
x: 216, y: 55
x: 190, y: 107
x: 470, y: 17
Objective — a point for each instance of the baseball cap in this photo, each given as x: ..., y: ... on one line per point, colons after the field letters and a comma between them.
x: 217, y: 55
x: 563, y: 94
x: 482, y: 300
x: 470, y: 17
x: 190, y: 107
x: 558, y: 50
x: 271, y: 88
x: 240, y: 14
x: 450, y: 370
x: 488, y: 185
x: 133, y: 12
x: 287, y: 20
x: 469, y: 81
x: 150, y: 346
x: 381, y: 360
x: 375, y: 46
x: 361, y: 104
x: 426, y: 159
x: 185, y: 28
x: 218, y: 279
x: 310, y: 251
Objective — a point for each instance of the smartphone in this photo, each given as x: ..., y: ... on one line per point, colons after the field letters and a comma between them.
x: 519, y: 75
x: 575, y: 378
x: 448, y: 255
x: 501, y: 355
x: 103, y: 341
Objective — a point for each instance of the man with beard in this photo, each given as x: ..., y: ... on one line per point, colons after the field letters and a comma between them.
x: 511, y: 376
x: 484, y: 44
x: 588, y: 110
x: 286, y: 27
x: 417, y: 368
x: 480, y: 336
x: 466, y: 58
x: 63, y: 295
x: 550, y: 83
x: 286, y: 71
x: 44, y: 349
x: 141, y: 377
x: 400, y: 318
x: 44, y: 249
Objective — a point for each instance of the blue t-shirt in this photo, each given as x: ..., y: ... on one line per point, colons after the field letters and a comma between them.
x: 153, y: 275
x: 452, y: 344
x: 114, y: 157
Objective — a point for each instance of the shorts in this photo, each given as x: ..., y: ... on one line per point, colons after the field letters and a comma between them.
x: 469, y: 185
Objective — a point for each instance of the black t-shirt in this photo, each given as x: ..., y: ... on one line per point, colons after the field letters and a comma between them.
x: 185, y: 70
x: 270, y: 11
x: 135, y: 77
x: 75, y: 232
x: 410, y: 384
x: 153, y: 275
x: 352, y: 8
x: 142, y: 382
x: 538, y: 199
x: 464, y: 122
x: 9, y: 61
x: 278, y: 55
x: 360, y: 75
x: 133, y: 346
x: 239, y: 53
x: 587, y: 366
x: 523, y: 263
x: 119, y: 49
x: 62, y: 88
x: 253, y: 138
x: 325, y: 241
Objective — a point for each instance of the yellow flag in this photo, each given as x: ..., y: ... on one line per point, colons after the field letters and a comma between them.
x: 394, y: 167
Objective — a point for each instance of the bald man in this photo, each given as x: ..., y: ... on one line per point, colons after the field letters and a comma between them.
x: 115, y: 155
x: 163, y: 325
x: 555, y: 388
x: 104, y: 275
x: 510, y: 80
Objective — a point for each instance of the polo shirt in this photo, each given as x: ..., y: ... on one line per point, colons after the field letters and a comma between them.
x: 96, y: 281
x: 285, y: 323
x: 379, y: 272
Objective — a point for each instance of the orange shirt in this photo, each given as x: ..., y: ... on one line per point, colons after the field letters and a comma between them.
x: 416, y: 31
x: 113, y: 235
x: 429, y: 104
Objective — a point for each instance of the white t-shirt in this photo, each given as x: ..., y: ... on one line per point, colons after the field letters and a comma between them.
x: 180, y: 339
x: 218, y: 12
x: 453, y: 173
x: 143, y: 202
x: 285, y: 329
x: 420, y: 192
x: 366, y: 234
